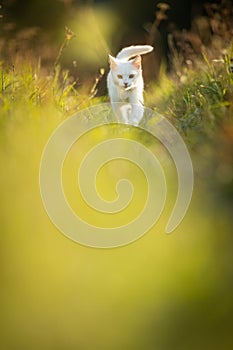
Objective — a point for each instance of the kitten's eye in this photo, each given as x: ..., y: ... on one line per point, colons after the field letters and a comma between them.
x: 131, y: 76
x: 119, y: 76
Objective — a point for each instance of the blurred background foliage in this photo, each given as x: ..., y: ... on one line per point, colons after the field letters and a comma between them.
x: 161, y: 292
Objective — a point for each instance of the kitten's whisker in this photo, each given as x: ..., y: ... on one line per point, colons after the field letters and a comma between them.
x: 130, y: 87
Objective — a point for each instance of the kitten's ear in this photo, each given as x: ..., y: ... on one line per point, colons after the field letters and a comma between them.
x: 112, y: 62
x: 137, y: 62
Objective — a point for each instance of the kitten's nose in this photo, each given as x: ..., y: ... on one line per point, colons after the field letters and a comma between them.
x: 126, y: 84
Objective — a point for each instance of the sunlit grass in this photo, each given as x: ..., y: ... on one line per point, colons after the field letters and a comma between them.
x: 161, y: 292
x: 199, y: 101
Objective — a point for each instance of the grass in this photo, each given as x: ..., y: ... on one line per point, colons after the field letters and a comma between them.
x: 25, y: 84
x: 201, y: 101
x: 161, y: 292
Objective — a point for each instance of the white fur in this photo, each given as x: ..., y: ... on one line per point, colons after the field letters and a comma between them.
x: 125, y: 83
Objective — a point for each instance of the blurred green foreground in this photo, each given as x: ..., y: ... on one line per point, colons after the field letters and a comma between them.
x: 161, y: 292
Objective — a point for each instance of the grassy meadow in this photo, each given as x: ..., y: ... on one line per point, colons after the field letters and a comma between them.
x: 162, y: 292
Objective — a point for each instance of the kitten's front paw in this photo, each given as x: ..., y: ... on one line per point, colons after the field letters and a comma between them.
x: 136, y: 115
x: 134, y: 122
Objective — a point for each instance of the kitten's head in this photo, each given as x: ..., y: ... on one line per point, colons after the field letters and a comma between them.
x: 125, y: 73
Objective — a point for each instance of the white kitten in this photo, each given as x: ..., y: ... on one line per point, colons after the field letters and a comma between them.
x: 125, y: 83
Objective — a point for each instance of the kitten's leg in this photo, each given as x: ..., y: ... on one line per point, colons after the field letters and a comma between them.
x: 136, y: 114
x: 121, y: 111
